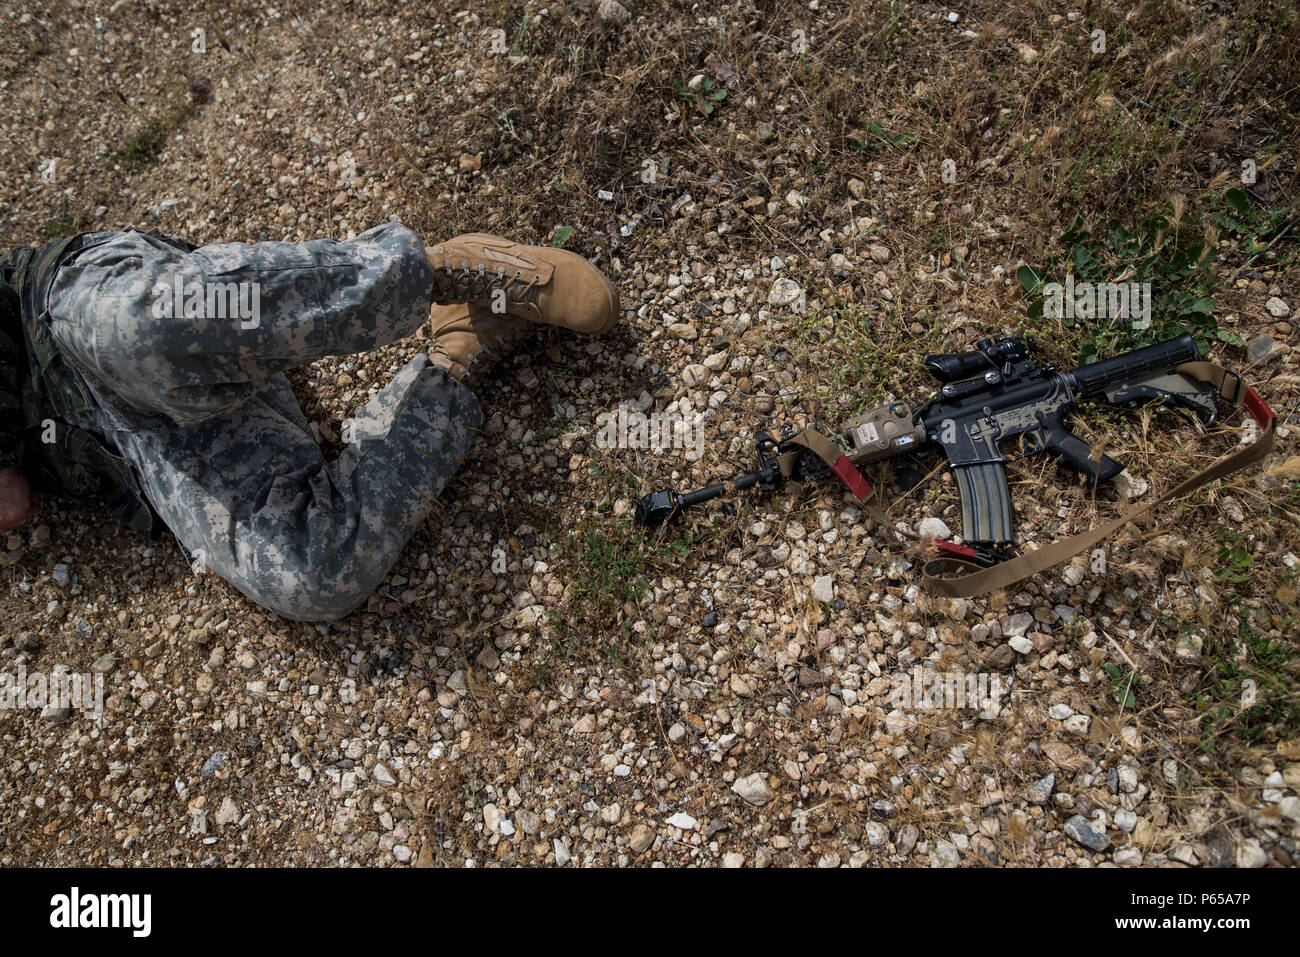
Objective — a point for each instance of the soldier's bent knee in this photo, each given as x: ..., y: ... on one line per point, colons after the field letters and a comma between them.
x: 309, y: 597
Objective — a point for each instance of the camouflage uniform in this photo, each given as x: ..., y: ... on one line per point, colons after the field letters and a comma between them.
x: 199, y: 407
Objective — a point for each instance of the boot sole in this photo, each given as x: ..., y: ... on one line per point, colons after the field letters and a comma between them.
x: 611, y: 293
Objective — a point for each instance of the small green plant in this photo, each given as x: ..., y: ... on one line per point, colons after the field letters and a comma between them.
x: 523, y: 40
x: 877, y: 138
x: 880, y: 44
x: 1122, y: 685
x: 1113, y: 153
x: 505, y: 124
x: 608, y: 566
x: 702, y: 95
x: 1168, y: 255
x: 1251, y: 687
x: 59, y: 227
x: 1259, y: 228
x: 145, y: 145
x: 561, y: 236
x: 1234, y: 563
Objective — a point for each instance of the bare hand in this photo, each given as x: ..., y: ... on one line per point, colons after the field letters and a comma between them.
x: 18, y: 502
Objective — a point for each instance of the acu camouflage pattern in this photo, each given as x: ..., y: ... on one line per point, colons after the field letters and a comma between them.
x: 201, y: 410
x: 38, y: 386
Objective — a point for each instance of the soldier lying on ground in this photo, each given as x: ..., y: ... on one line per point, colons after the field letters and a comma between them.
x: 117, y: 378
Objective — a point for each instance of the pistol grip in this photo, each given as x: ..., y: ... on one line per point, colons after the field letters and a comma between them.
x: 985, y: 503
x: 1075, y: 452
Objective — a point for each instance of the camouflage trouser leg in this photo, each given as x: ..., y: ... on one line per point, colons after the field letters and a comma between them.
x: 193, y: 335
x: 217, y: 439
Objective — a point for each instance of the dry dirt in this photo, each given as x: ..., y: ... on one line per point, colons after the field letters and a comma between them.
x: 541, y: 682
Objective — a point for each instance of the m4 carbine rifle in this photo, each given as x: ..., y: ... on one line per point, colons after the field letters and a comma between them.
x: 1000, y: 391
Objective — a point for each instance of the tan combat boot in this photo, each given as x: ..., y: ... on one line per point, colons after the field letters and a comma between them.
x: 538, y: 283
x: 468, y: 340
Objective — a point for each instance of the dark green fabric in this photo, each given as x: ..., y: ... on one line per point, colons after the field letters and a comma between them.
x: 43, y: 396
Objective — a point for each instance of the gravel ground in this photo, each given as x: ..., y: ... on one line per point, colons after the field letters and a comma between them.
x: 538, y: 682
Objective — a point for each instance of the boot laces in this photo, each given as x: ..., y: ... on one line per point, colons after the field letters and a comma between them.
x: 468, y: 284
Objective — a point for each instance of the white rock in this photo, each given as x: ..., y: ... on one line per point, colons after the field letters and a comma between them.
x: 1021, y: 644
x: 1250, y: 854
x: 694, y: 376
x: 944, y: 854
x: 1130, y: 487
x: 1018, y: 624
x: 935, y: 528
x: 1041, y: 790
x: 753, y: 789
x: 823, y: 588
x: 383, y: 775
x: 684, y: 821
x: 1077, y: 724
x: 1060, y: 712
x: 611, y: 11
x: 1128, y: 857
x: 228, y: 813
x: 1289, y: 807
x: 1277, y: 308
x: 562, y: 855
x: 785, y: 292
